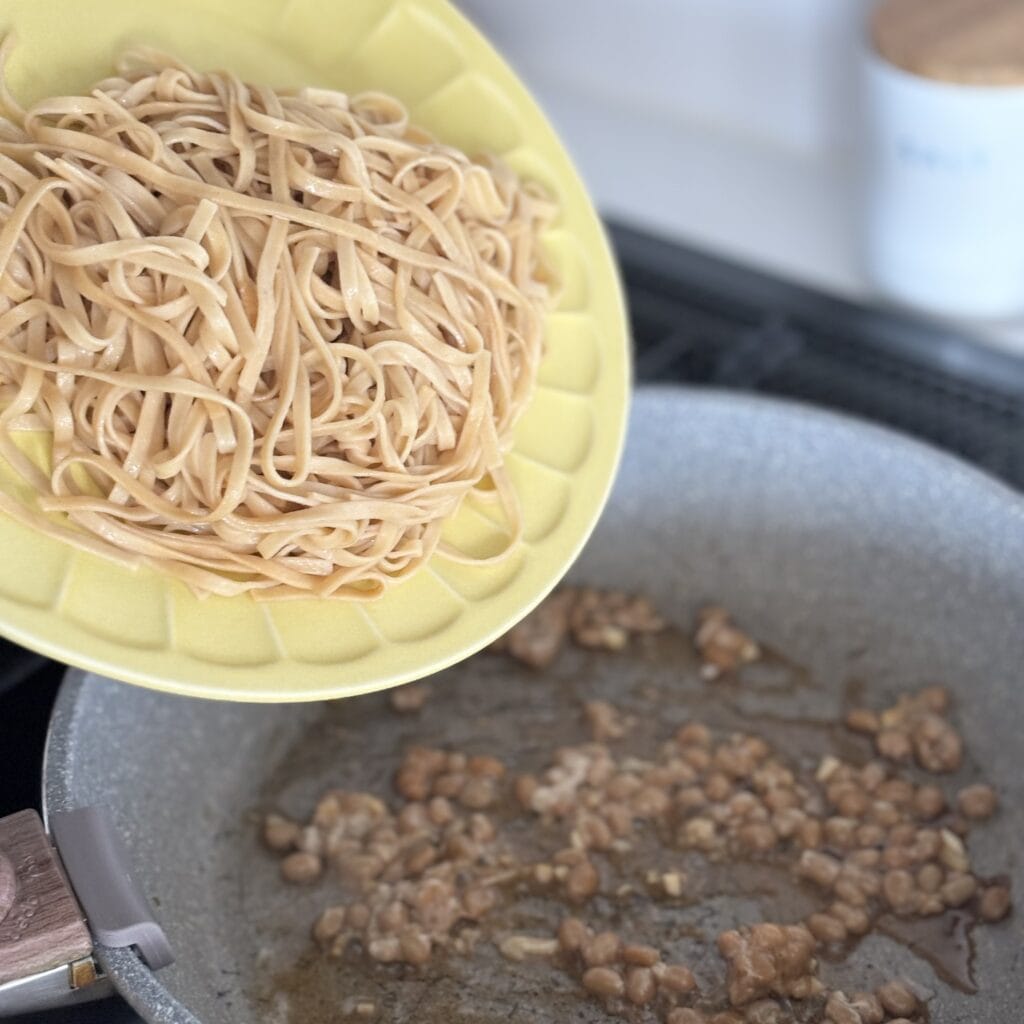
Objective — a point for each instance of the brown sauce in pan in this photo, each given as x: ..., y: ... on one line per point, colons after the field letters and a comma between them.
x: 946, y: 942
x: 492, y: 705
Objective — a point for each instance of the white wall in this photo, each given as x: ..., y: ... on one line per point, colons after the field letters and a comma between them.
x: 729, y: 124
x: 780, y: 71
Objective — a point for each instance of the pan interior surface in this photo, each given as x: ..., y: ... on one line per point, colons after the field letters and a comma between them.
x: 870, y: 561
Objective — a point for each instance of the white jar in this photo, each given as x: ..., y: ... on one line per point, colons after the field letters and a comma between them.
x: 945, y: 191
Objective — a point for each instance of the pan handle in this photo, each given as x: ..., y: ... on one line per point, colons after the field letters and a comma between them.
x: 55, y: 906
x: 97, y: 862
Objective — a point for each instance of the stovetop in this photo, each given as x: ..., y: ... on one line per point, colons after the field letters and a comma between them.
x: 703, y: 321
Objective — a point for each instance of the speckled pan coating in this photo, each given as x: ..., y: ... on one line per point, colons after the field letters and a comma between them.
x: 858, y: 552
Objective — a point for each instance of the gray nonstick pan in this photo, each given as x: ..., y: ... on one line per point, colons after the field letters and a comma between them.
x: 874, y: 563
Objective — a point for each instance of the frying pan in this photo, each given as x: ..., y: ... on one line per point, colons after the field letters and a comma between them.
x: 873, y: 562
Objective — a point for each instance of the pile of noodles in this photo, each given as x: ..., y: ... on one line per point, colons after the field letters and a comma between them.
x: 277, y: 336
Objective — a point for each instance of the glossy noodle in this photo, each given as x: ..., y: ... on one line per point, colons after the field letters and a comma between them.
x: 277, y: 337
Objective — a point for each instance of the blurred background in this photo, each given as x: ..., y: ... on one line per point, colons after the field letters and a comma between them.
x: 727, y: 124
x: 821, y: 200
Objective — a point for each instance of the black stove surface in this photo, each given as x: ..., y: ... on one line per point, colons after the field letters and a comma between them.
x: 703, y: 321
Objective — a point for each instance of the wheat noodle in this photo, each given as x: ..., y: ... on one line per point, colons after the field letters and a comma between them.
x: 277, y: 337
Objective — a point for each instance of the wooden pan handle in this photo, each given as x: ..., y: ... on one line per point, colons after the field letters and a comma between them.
x: 41, y: 925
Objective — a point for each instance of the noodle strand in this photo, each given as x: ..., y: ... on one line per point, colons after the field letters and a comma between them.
x: 276, y: 337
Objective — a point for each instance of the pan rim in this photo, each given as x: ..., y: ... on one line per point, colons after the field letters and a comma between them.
x: 788, y: 408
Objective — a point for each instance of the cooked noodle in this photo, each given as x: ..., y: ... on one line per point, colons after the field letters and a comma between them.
x: 277, y: 337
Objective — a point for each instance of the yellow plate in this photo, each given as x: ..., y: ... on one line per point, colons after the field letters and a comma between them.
x: 141, y: 627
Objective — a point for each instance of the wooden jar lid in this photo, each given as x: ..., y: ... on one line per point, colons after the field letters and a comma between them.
x: 975, y: 42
